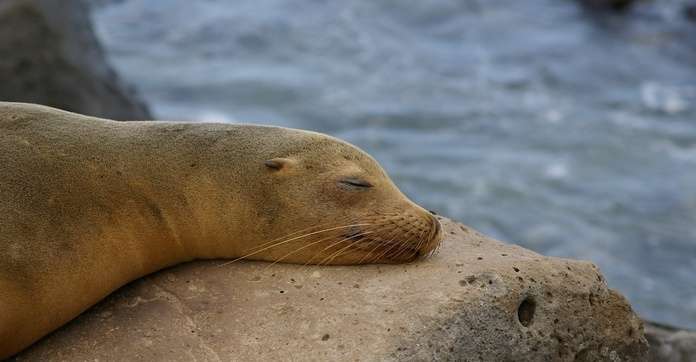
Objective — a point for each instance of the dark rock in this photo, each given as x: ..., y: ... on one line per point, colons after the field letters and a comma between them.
x: 690, y: 11
x: 50, y: 55
x: 104, y: 3
x: 613, y: 5
x: 669, y: 344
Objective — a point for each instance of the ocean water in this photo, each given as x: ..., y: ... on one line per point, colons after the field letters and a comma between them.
x: 536, y: 122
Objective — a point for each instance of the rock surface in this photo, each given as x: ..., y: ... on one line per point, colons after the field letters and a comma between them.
x: 613, y: 5
x: 477, y: 300
x: 690, y: 11
x: 668, y: 344
x: 50, y: 55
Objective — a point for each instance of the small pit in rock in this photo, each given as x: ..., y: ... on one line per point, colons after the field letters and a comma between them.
x: 525, y: 312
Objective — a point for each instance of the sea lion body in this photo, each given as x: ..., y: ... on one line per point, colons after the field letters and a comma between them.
x: 87, y: 205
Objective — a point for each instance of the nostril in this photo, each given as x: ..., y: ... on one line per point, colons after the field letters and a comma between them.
x: 525, y: 312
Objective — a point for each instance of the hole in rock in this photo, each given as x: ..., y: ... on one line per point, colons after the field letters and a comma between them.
x: 525, y: 312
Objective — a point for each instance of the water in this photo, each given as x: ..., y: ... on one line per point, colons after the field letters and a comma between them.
x: 533, y: 121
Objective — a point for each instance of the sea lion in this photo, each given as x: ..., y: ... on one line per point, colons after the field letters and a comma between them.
x: 88, y: 204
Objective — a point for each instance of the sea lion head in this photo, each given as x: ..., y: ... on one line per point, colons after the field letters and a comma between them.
x: 326, y: 201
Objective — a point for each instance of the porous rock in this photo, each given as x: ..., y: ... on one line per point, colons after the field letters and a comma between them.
x: 50, y: 55
x: 478, y: 299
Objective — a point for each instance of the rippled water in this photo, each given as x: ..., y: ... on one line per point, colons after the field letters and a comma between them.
x: 534, y: 121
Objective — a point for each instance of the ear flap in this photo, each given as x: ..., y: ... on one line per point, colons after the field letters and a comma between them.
x: 278, y: 164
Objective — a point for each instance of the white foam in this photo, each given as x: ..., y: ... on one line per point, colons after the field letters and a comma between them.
x: 666, y: 98
x: 553, y: 116
x: 556, y: 171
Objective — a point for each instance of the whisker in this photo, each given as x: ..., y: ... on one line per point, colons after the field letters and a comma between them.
x: 293, y: 233
x: 308, y: 245
x: 389, y: 250
x: 332, y: 256
x: 359, y: 235
x: 342, y: 250
x: 414, y: 251
x: 289, y: 240
x: 392, y: 236
x: 398, y: 248
x: 403, y: 246
x: 421, y: 242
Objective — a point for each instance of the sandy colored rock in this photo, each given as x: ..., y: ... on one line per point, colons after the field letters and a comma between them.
x: 477, y: 300
x: 50, y: 55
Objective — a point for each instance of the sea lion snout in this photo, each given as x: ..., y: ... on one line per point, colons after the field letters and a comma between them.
x: 407, y: 236
x: 432, y: 240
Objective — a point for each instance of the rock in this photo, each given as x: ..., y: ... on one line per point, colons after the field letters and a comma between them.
x: 669, y: 344
x: 613, y: 5
x: 50, y: 55
x: 104, y: 3
x: 478, y: 299
x: 690, y: 11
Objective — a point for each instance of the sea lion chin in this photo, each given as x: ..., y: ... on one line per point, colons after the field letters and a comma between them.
x: 88, y: 205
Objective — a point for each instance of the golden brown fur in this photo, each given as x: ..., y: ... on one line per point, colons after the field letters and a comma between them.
x: 87, y: 205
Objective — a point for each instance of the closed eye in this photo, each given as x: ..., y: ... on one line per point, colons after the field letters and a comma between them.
x: 355, y: 182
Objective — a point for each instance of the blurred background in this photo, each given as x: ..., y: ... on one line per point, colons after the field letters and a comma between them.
x: 569, y: 129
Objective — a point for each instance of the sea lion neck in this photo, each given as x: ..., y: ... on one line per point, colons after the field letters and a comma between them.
x: 216, y: 167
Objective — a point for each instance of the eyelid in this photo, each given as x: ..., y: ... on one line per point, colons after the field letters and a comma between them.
x: 356, y: 182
